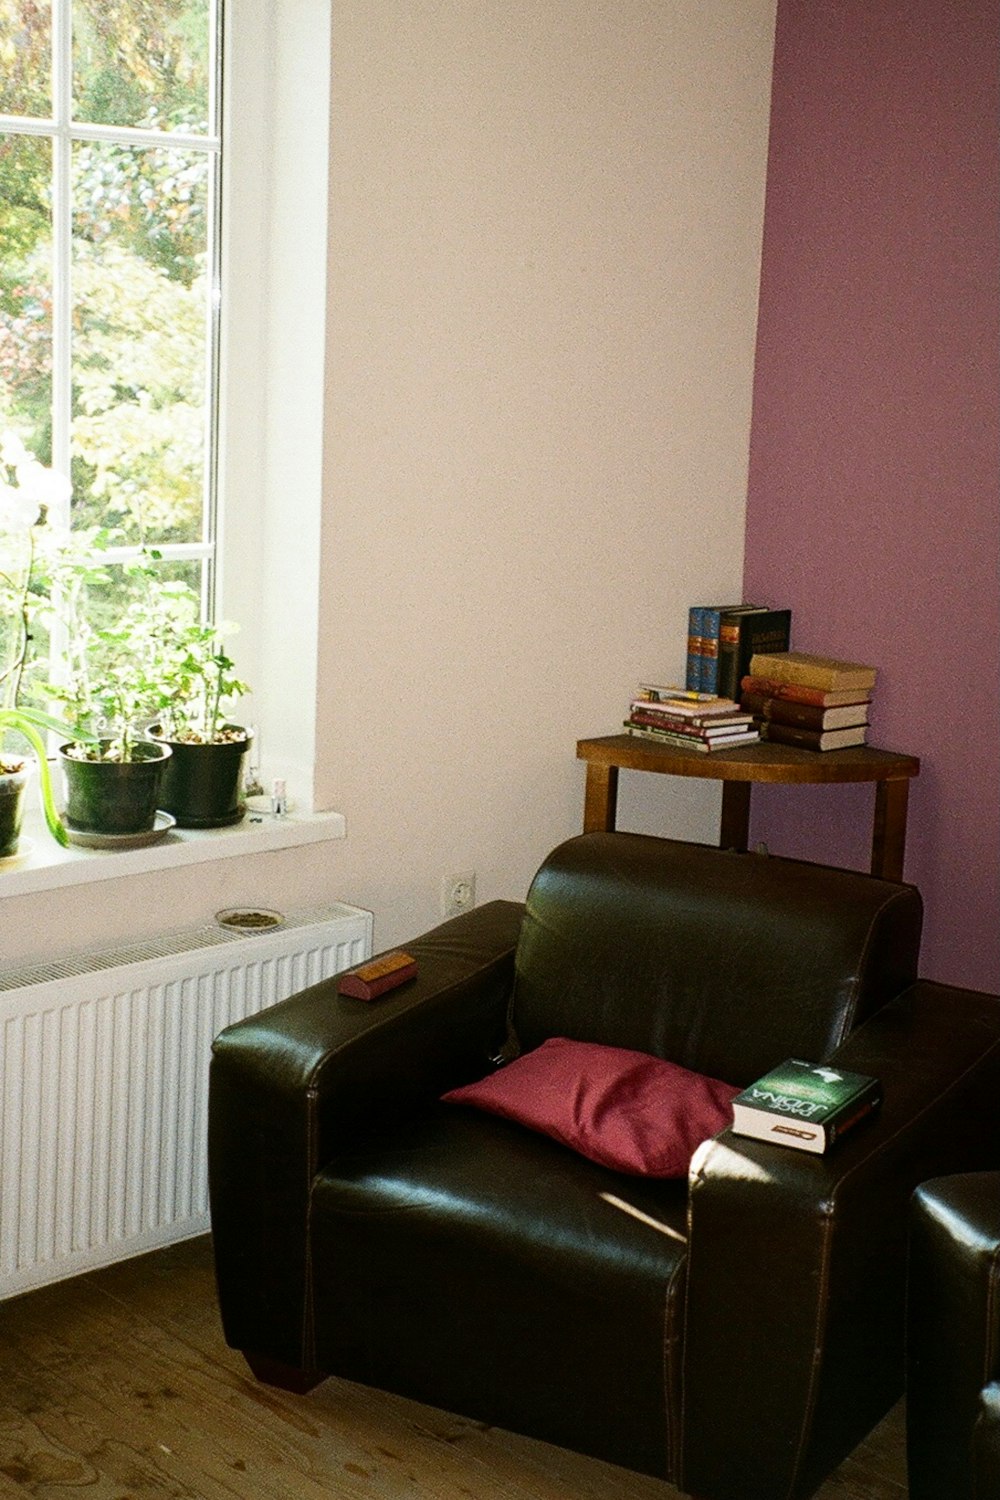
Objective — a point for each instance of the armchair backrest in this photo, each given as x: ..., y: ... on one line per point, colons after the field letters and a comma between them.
x: 723, y: 962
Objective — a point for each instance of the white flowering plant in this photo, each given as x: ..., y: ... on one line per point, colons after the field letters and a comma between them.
x: 28, y: 490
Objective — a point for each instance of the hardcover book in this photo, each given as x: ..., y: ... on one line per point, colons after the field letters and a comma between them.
x: 768, y: 687
x: 703, y: 643
x: 656, y: 692
x: 377, y: 976
x: 826, y: 672
x: 812, y: 739
x: 711, y: 629
x: 744, y: 633
x: 692, y: 741
x: 722, y: 728
x: 805, y: 1105
x: 704, y: 712
x: 805, y: 715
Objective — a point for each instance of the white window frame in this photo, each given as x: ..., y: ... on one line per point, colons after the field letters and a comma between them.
x: 276, y: 120
x: 276, y: 117
x: 63, y: 132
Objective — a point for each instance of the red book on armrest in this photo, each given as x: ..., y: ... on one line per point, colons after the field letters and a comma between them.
x: 377, y: 976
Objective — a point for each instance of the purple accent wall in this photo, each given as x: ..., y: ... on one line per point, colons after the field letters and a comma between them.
x: 874, y: 495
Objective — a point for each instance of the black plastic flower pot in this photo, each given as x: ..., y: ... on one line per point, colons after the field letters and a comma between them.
x: 114, y: 797
x: 203, y: 784
x: 12, y: 789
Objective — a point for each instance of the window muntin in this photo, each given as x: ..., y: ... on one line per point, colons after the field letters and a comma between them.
x: 109, y: 261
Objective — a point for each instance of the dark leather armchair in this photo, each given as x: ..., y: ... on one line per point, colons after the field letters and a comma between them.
x: 953, y: 1350
x: 737, y: 1332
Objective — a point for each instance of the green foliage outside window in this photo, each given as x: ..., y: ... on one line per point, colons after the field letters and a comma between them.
x: 139, y: 219
x: 140, y: 249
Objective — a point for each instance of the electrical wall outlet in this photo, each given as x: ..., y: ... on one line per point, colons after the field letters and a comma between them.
x: 458, y: 893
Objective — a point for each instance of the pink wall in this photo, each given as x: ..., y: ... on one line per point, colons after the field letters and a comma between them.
x: 874, y: 509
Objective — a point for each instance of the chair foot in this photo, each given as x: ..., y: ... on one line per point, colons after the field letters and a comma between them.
x: 285, y: 1377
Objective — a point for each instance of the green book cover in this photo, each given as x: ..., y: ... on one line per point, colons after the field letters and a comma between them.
x: 805, y: 1104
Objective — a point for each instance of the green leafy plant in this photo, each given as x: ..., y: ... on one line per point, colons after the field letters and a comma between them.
x: 28, y: 722
x: 108, y: 682
x: 199, y: 681
x: 143, y: 659
x: 27, y: 489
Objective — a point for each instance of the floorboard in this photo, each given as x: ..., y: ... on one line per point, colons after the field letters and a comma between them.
x: 118, y: 1386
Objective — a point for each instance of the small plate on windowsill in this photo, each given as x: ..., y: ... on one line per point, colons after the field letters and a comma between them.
x: 87, y: 839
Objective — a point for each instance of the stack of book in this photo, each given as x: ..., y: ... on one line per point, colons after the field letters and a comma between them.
x: 689, y: 720
x: 723, y: 637
x: 813, y: 702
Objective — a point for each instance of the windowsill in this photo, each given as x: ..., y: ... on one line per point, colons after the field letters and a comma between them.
x: 43, y: 865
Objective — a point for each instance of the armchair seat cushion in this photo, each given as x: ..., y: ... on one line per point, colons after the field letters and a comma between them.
x: 483, y: 1267
x: 621, y: 1108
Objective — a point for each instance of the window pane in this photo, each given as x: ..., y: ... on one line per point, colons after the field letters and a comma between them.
x: 26, y: 291
x: 142, y: 63
x: 139, y: 341
x: 25, y: 57
x: 110, y: 603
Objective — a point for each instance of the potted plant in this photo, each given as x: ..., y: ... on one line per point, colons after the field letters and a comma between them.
x: 203, y: 781
x: 27, y: 489
x: 15, y: 772
x: 111, y: 683
x: 136, y: 652
x: 153, y: 685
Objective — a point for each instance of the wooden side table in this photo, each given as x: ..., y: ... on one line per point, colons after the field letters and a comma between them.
x: 738, y: 769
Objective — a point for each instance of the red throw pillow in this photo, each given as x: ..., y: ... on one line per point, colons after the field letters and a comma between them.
x: 624, y: 1109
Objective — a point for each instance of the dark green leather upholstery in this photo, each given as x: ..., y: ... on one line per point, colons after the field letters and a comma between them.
x: 953, y: 1350
x: 737, y: 1333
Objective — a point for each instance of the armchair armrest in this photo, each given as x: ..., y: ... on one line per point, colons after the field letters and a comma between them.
x: 289, y: 1083
x: 797, y: 1263
x: 953, y: 1338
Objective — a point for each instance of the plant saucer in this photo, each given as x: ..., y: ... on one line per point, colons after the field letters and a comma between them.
x: 87, y: 838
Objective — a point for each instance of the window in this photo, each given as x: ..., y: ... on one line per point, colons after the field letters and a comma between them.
x: 109, y: 265
x: 264, y: 220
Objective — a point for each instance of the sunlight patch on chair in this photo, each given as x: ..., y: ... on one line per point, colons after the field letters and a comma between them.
x: 644, y: 1218
x: 738, y: 1166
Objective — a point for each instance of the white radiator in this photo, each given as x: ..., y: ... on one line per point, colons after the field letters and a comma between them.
x: 104, y: 1077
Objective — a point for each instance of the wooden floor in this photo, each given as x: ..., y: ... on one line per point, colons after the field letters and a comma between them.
x: 118, y: 1386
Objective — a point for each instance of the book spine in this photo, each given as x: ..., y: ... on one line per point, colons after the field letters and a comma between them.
x: 791, y: 734
x: 692, y: 678
x: 784, y: 711
x: 864, y: 1106
x: 697, y: 715
x: 770, y: 630
x: 810, y: 739
x: 664, y: 723
x: 731, y: 628
x: 768, y: 687
x: 828, y: 677
x: 651, y: 692
x: 711, y: 624
x: 665, y: 737
x: 697, y: 731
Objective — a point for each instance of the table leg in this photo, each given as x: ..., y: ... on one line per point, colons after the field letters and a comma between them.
x: 734, y: 829
x: 601, y: 798
x: 889, y: 831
